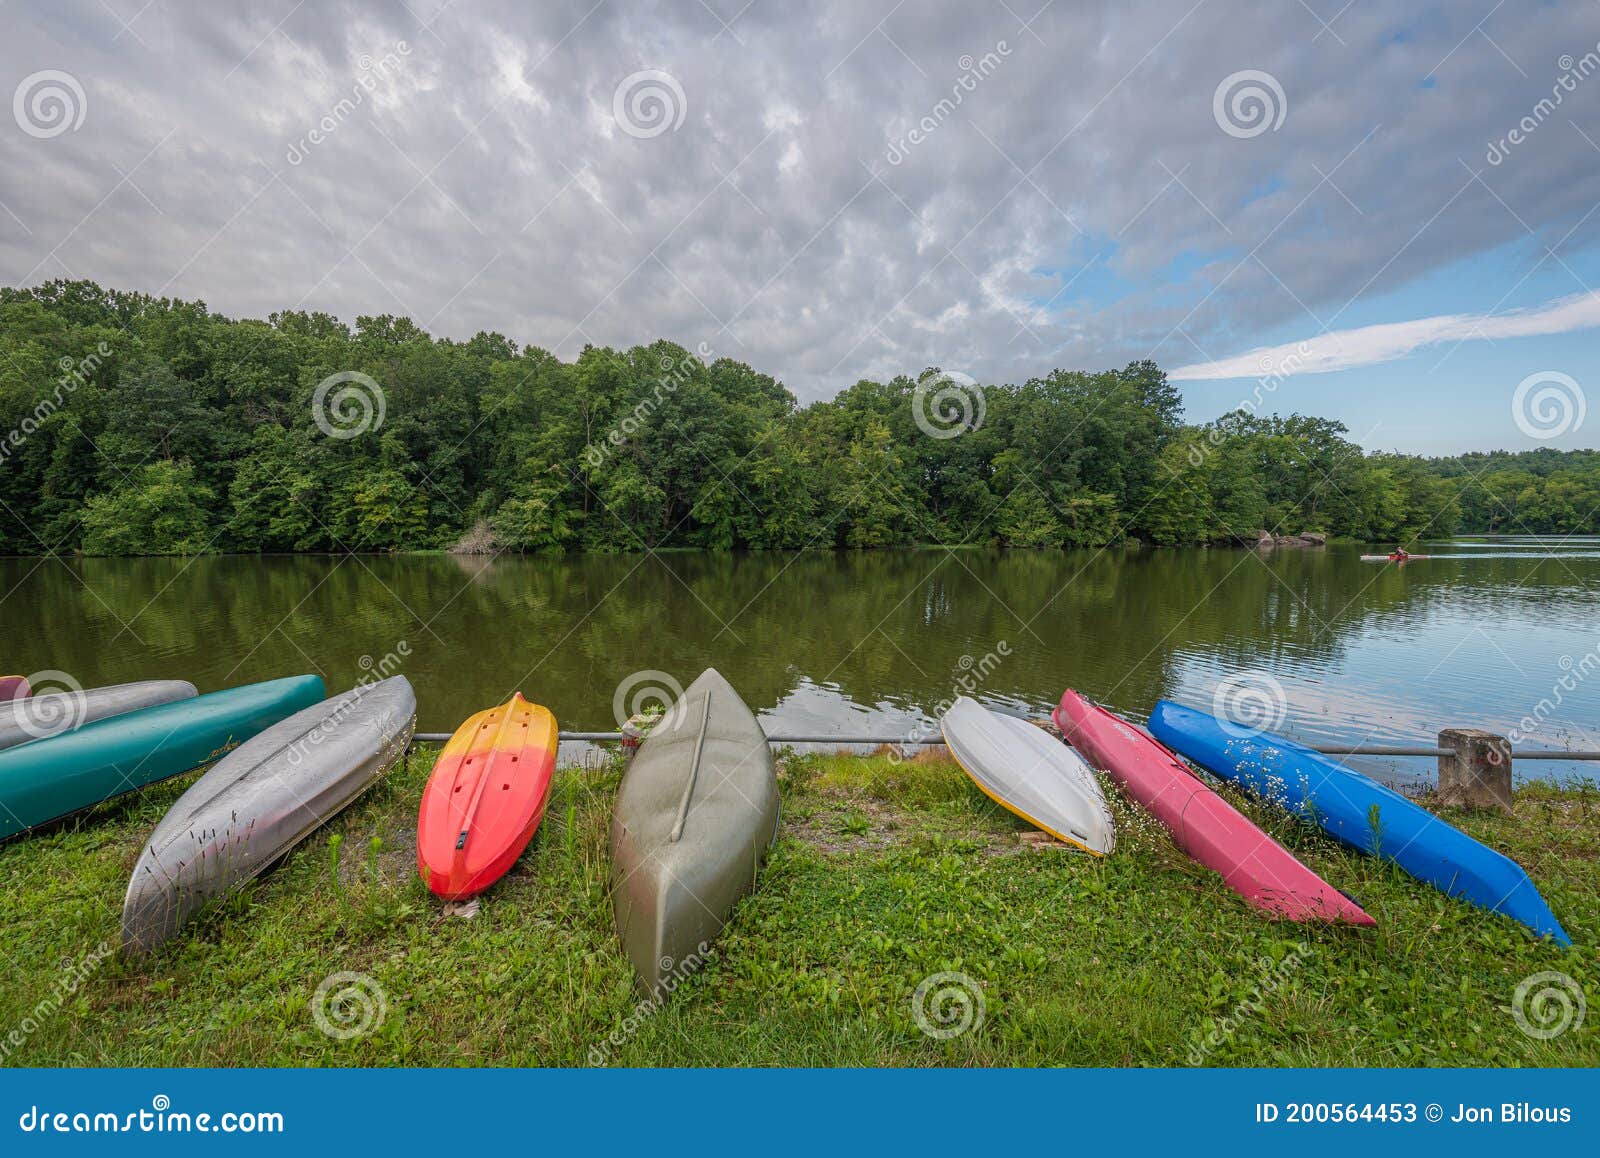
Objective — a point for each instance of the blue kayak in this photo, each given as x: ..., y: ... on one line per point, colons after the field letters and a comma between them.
x: 1345, y: 803
x: 56, y: 776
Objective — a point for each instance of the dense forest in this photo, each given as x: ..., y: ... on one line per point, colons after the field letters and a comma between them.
x: 137, y: 425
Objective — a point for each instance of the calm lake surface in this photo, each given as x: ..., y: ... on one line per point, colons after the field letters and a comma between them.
x: 869, y: 643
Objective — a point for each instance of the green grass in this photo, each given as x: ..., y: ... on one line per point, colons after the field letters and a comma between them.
x: 885, y: 873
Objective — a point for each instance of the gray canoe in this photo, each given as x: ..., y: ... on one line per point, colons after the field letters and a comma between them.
x: 694, y: 817
x: 262, y: 799
x: 39, y: 717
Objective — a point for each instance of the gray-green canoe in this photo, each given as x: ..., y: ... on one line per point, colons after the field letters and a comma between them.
x: 695, y: 814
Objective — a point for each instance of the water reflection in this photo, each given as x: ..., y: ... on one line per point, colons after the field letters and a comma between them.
x: 851, y: 643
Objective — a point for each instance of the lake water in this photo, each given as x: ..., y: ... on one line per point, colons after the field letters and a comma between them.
x: 871, y: 643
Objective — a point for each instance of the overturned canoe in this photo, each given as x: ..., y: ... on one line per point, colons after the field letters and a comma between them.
x: 261, y: 800
x: 1359, y: 811
x: 1202, y: 824
x: 47, y: 779
x: 1030, y: 773
x: 695, y: 814
x: 40, y: 717
x: 485, y: 797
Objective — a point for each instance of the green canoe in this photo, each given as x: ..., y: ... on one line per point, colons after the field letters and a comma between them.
x: 46, y: 779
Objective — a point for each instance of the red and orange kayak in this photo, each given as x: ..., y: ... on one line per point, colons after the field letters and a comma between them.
x: 14, y: 688
x: 1204, y: 825
x: 485, y: 797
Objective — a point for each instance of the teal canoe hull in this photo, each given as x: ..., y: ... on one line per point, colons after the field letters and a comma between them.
x: 47, y: 779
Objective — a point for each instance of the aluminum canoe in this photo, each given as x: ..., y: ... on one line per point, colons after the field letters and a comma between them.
x: 694, y: 817
x: 261, y: 800
x: 1030, y: 773
x: 40, y: 717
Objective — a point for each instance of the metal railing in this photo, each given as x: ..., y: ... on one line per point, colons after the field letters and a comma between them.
x: 1325, y: 749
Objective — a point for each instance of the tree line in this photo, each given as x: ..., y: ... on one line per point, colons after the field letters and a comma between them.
x: 138, y: 425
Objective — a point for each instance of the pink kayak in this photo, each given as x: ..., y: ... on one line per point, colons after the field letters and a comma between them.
x: 1205, y: 825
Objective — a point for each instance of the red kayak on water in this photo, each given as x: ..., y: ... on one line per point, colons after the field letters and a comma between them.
x: 14, y: 688
x: 1204, y: 825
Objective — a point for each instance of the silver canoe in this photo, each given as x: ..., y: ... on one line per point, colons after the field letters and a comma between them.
x: 1031, y: 773
x: 262, y: 799
x: 695, y: 814
x: 39, y: 717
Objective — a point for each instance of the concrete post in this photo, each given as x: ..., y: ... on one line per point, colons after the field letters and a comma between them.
x: 1478, y: 772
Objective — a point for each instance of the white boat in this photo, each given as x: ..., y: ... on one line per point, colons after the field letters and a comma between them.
x: 40, y: 717
x: 262, y: 799
x: 1029, y: 772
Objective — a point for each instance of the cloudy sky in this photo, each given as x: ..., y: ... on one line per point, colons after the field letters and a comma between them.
x: 1356, y: 209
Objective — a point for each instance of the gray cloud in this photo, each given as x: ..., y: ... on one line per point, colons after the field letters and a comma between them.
x: 482, y: 181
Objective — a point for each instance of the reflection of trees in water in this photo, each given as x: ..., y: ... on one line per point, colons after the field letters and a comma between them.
x: 882, y: 626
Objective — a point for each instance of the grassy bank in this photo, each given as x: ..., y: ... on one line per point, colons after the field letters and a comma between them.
x: 884, y: 874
